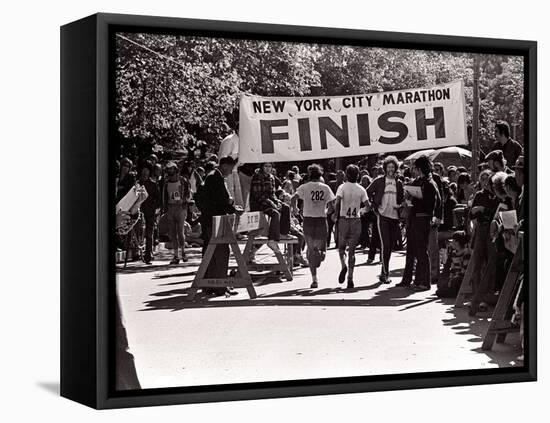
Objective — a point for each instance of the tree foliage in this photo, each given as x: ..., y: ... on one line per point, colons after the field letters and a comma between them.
x: 179, y: 93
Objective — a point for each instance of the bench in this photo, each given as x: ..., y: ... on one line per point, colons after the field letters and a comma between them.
x: 285, y: 259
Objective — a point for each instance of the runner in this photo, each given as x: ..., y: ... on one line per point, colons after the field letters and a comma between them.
x: 350, y: 197
x: 316, y: 196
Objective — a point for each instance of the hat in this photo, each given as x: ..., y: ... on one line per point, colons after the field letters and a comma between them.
x: 227, y: 160
x: 519, y: 163
x: 171, y: 164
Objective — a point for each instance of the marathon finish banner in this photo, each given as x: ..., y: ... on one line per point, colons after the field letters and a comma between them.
x: 281, y: 129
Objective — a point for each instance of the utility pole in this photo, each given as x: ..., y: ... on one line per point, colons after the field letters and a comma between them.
x: 475, y: 120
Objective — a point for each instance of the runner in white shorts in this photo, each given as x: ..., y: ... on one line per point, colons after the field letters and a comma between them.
x: 350, y: 197
x: 316, y: 196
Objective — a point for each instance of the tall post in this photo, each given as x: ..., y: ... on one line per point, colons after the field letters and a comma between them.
x: 475, y: 120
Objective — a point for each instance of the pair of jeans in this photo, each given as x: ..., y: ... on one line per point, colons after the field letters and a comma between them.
x: 483, y: 252
x: 418, y: 233
x: 387, y: 231
x: 279, y: 222
x: 433, y: 248
x: 150, y: 224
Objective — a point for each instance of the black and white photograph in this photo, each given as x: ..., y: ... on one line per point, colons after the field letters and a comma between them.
x: 300, y: 211
x: 275, y: 211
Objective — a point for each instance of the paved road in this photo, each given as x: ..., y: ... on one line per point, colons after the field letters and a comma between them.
x: 293, y: 332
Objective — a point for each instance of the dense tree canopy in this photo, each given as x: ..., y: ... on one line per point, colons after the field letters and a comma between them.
x: 177, y: 93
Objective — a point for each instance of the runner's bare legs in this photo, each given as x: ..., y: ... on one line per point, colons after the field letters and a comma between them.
x: 342, y: 254
x: 351, y: 266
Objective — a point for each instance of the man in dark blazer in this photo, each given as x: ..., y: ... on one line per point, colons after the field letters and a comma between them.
x: 215, y: 201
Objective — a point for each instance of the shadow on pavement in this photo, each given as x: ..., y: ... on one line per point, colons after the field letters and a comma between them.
x: 503, y: 355
x: 392, y: 297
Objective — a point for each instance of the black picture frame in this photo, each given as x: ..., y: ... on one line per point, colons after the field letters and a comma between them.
x: 87, y: 259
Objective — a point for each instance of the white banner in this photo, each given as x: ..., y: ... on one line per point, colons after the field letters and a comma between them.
x: 277, y: 129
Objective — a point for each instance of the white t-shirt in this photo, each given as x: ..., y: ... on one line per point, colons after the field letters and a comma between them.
x: 316, y: 195
x: 389, y: 200
x: 351, y: 195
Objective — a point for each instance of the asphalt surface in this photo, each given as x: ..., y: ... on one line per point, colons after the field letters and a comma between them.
x: 291, y: 331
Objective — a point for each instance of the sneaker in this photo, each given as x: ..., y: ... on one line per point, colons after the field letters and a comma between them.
x: 403, y: 284
x: 230, y: 292
x: 273, y: 245
x: 342, y: 275
x: 175, y: 260
x: 184, y: 258
x: 384, y: 279
x: 350, y: 284
x: 314, y: 285
x: 369, y: 262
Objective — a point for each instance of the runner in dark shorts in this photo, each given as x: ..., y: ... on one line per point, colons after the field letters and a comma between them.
x: 316, y: 197
x: 315, y: 233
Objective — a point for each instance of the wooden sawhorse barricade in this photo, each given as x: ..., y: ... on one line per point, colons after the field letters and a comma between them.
x: 224, y: 230
x: 501, y: 323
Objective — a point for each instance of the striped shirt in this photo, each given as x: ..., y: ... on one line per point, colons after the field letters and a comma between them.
x: 459, y: 261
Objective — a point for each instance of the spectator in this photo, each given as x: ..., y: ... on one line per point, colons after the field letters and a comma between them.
x: 125, y: 180
x: 446, y: 227
x: 452, y: 174
x: 459, y: 256
x: 520, y: 179
x: 421, y: 218
x: 433, y: 245
x: 217, y: 202
x: 482, y: 211
x: 175, y: 197
x: 263, y: 198
x: 497, y: 162
x: 510, y: 148
x: 503, y: 255
x: 513, y: 190
x: 149, y: 208
x: 288, y: 184
x: 297, y: 177
x: 386, y: 196
x: 439, y: 169
x: 465, y: 190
